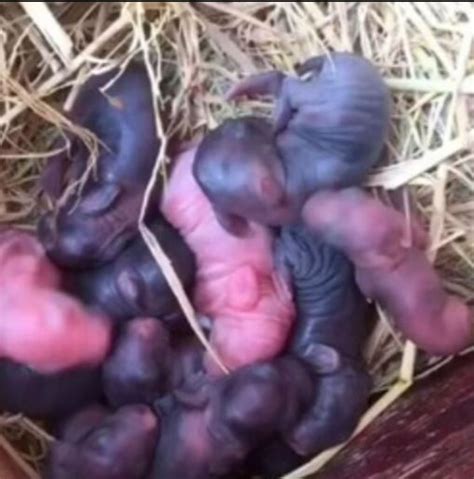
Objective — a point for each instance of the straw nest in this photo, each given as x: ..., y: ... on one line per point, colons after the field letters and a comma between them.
x: 194, y: 52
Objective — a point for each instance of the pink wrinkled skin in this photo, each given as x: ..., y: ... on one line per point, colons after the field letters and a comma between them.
x: 371, y: 234
x: 392, y: 268
x: 413, y: 293
x: 236, y: 286
x: 49, y: 331
x: 23, y: 261
x: 39, y: 326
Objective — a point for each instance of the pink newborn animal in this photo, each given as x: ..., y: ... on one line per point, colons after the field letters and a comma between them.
x: 236, y: 285
x: 41, y: 327
x: 23, y: 260
x: 49, y: 331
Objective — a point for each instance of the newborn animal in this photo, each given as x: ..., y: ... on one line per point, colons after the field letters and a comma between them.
x: 330, y: 331
x: 133, y: 285
x: 250, y: 306
x: 23, y: 262
x: 137, y: 372
x: 332, y: 312
x: 91, y: 228
x: 51, y: 349
x: 50, y: 331
x: 241, y: 411
x: 330, y: 128
x: 391, y: 267
x: 99, y: 445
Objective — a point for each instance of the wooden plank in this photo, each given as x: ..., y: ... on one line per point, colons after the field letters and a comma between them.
x: 8, y: 469
x: 428, y: 434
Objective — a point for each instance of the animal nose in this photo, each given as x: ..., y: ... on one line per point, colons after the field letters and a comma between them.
x: 47, y: 232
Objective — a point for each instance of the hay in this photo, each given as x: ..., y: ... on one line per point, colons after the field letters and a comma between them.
x: 194, y: 52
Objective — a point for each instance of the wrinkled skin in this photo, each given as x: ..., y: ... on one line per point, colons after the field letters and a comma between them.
x: 392, y: 268
x: 137, y: 371
x: 242, y: 410
x: 332, y: 312
x: 50, y: 331
x: 414, y: 296
x: 134, y: 285
x: 331, y: 328
x: 237, y: 288
x: 92, y: 229
x: 23, y: 258
x: 329, y: 131
x: 97, y: 445
x: 371, y: 234
x: 47, y: 395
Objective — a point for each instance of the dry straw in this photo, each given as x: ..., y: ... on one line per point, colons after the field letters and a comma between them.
x: 193, y: 52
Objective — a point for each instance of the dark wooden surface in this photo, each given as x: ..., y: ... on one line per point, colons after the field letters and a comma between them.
x: 428, y: 434
x: 8, y: 470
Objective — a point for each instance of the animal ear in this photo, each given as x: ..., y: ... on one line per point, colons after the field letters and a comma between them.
x: 129, y: 285
x: 271, y: 191
x: 52, y: 177
x: 325, y: 359
x: 283, y: 110
x: 233, y: 224
x: 267, y: 83
x: 313, y: 65
x: 100, y: 199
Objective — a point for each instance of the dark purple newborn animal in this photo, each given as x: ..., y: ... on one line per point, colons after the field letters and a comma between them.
x: 91, y: 229
x: 239, y: 412
x: 330, y: 127
x: 331, y: 328
x: 98, y: 445
x: 240, y: 170
x: 47, y: 396
x: 137, y: 372
x: 146, y: 365
x: 133, y: 285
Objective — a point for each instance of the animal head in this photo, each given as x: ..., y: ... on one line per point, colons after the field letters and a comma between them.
x: 119, y: 446
x: 94, y: 230
x: 238, y: 168
x: 138, y: 369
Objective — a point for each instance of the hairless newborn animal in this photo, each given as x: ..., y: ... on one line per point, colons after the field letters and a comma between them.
x: 236, y: 285
x: 329, y: 131
x: 138, y: 369
x: 392, y: 268
x: 133, y: 285
x: 98, y: 445
x: 24, y: 263
x: 50, y: 346
x: 330, y: 331
x: 241, y: 411
x: 92, y: 228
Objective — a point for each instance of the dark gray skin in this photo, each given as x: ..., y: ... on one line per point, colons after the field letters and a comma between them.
x: 133, y: 286
x: 331, y: 329
x: 329, y: 334
x: 239, y: 168
x: 98, y: 445
x: 330, y: 126
x: 47, y: 396
x: 146, y: 365
x: 332, y: 312
x: 91, y: 229
x: 240, y: 412
x: 137, y: 372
